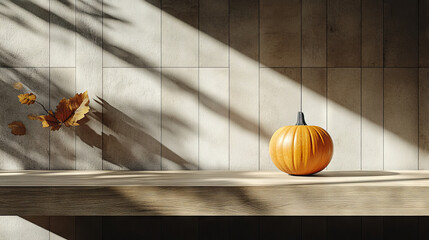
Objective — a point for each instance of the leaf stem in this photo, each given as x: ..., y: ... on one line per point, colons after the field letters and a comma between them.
x: 43, y: 107
x: 47, y: 111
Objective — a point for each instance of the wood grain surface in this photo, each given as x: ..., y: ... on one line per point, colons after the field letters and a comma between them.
x: 211, y: 193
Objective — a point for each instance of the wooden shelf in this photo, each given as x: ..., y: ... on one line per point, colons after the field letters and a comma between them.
x: 84, y: 193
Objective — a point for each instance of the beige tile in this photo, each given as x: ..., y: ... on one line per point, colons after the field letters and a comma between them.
x: 62, y: 27
x: 280, y: 100
x: 372, y: 33
x: 179, y: 118
x: 131, y: 118
x: 280, y: 33
x: 24, y: 33
x: 32, y: 150
x: 244, y: 28
x: 61, y: 142
x: 214, y: 118
x: 213, y: 39
x: 14, y: 227
x: 400, y: 33
x: 131, y: 33
x: 313, y: 33
x: 344, y: 119
x: 372, y: 119
x: 344, y: 33
x: 244, y: 85
x: 179, y: 33
x: 401, y: 118
x: 314, y: 96
x: 423, y: 119
x: 423, y: 33
x: 89, y: 78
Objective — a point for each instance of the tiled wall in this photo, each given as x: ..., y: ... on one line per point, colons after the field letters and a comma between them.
x: 202, y: 84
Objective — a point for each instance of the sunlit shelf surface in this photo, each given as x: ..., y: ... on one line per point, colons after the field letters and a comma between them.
x: 213, y: 193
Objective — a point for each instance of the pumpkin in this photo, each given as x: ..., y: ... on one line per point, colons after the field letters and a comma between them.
x: 301, y: 149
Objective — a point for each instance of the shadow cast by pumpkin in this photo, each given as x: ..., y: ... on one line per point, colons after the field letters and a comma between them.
x: 353, y: 173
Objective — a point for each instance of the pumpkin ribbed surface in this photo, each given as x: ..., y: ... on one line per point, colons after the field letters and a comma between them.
x: 301, y: 149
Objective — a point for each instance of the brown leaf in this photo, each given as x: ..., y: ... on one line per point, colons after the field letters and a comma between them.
x: 27, y: 98
x: 18, y: 86
x: 79, y: 102
x: 70, y: 111
x: 49, y: 121
x: 18, y: 128
x: 32, y: 116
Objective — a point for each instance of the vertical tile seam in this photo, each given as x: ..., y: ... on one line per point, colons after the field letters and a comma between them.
x: 361, y: 87
x: 229, y: 85
x: 161, y: 77
x: 49, y: 97
x: 198, y: 85
x: 259, y: 85
x: 302, y: 81
x: 418, y: 84
x: 75, y: 72
x: 382, y: 65
x: 326, y: 72
x: 102, y: 83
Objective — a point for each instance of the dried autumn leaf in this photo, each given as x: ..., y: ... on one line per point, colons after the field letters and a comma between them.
x: 32, y: 116
x: 27, y: 98
x: 18, y: 128
x: 79, y: 102
x: 50, y: 121
x: 18, y: 86
x: 70, y: 111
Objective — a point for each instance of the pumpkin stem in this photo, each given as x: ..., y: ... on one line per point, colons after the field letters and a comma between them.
x: 301, y: 120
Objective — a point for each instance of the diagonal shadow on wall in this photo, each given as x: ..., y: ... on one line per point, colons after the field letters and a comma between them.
x: 8, y: 60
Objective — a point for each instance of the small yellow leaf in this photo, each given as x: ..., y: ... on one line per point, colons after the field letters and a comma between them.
x: 18, y: 86
x: 32, y: 116
x: 18, y: 128
x: 27, y: 98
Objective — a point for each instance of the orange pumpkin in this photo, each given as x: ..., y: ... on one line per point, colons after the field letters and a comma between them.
x: 301, y: 149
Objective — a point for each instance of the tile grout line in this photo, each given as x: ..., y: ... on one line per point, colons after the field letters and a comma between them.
x: 49, y: 101
x: 259, y: 85
x: 198, y: 85
x: 302, y: 82
x: 102, y: 82
x: 326, y: 68
x: 75, y: 73
x: 418, y: 84
x: 382, y: 65
x: 361, y: 87
x: 229, y: 85
x: 49, y: 87
x: 161, y: 77
x: 326, y: 63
